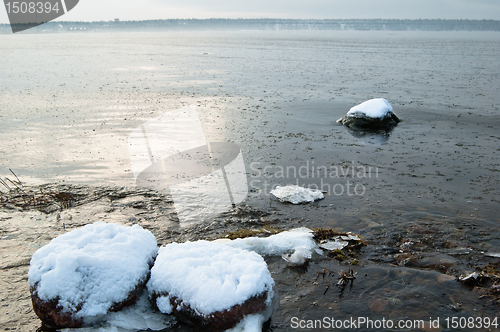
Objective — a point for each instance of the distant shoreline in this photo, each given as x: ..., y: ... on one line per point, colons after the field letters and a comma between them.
x: 270, y: 24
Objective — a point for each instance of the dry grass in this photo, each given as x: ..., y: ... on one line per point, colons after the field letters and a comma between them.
x: 13, y: 194
x: 326, y: 233
x: 243, y: 233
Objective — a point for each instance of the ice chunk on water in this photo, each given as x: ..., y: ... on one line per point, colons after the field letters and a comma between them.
x: 296, y: 194
x: 333, y: 245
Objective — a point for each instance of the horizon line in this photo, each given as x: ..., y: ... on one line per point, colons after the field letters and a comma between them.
x: 271, y: 18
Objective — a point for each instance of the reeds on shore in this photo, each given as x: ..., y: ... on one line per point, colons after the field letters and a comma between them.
x: 14, y: 195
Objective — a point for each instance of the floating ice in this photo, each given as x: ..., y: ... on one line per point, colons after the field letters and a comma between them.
x: 333, y: 245
x: 339, y: 242
x: 377, y: 108
x: 350, y: 237
x: 208, y: 277
x: 91, y: 268
x: 296, y: 194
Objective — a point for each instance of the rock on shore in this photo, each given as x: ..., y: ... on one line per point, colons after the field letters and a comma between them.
x: 90, y: 271
x: 210, y: 285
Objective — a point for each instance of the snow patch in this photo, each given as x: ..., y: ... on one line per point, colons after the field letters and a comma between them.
x: 377, y: 108
x: 139, y: 317
x: 296, y: 194
x: 93, y: 267
x: 295, y: 246
x: 251, y: 323
x: 254, y: 323
x: 208, y: 276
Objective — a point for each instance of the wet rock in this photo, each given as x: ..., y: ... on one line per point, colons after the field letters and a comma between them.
x: 439, y: 262
x: 378, y: 305
x: 53, y: 315
x: 445, y: 278
x: 216, y: 321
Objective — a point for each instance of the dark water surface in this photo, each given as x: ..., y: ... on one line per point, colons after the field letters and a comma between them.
x: 425, y: 198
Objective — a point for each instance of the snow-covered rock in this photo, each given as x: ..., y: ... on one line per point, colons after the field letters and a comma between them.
x: 210, y: 285
x: 373, y: 114
x: 377, y: 108
x: 296, y: 194
x: 90, y: 271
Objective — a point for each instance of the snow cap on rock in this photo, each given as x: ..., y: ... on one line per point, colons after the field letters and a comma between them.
x: 377, y: 108
x: 93, y: 267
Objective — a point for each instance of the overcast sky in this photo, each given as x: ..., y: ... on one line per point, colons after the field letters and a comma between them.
x: 97, y: 10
